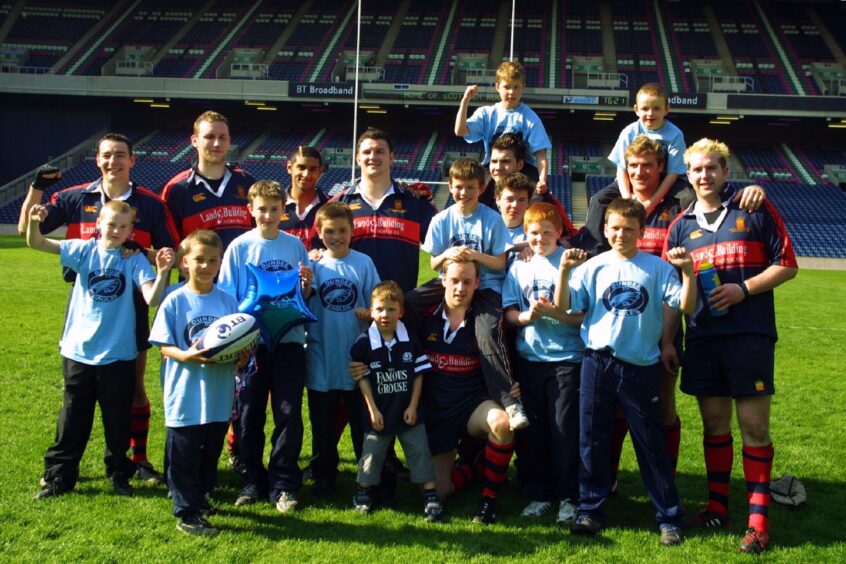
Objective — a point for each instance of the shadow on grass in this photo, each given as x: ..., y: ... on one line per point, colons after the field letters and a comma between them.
x: 631, y: 509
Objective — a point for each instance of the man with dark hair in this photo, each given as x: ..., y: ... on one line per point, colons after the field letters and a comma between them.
x: 77, y: 208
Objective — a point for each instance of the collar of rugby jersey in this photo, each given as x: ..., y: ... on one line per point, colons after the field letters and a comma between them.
x: 198, y: 178
x: 373, y: 204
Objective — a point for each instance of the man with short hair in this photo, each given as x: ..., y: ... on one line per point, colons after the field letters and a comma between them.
x: 211, y: 194
x: 77, y: 208
x: 730, y: 337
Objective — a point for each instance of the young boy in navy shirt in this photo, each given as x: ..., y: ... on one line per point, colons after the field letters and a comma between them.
x: 98, y: 345
x: 343, y: 281
x: 197, y: 391
x: 280, y: 369
x: 623, y: 293
x: 396, y: 365
x: 549, y: 356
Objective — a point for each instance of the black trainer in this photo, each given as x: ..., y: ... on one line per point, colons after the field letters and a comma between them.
x: 363, y: 501
x: 585, y: 525
x: 485, y: 511
x: 121, y: 486
x: 51, y: 488
x: 196, y: 525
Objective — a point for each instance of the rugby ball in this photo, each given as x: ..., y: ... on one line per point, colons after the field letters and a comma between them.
x: 229, y: 335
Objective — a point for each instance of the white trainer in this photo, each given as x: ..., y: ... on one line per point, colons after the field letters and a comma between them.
x: 566, y: 513
x: 517, y: 416
x: 536, y: 509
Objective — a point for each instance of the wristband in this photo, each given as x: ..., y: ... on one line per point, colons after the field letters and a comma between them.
x: 745, y: 289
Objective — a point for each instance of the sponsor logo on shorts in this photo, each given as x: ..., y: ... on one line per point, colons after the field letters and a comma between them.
x: 625, y: 298
x: 759, y: 385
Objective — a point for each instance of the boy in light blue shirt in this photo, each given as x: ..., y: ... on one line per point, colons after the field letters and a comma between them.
x: 509, y: 115
x: 280, y: 369
x: 623, y: 293
x: 472, y: 232
x: 343, y: 282
x: 98, y: 345
x: 652, y: 104
x: 197, y: 392
x: 548, y: 361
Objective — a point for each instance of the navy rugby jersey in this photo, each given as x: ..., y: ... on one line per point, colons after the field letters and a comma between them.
x: 196, y: 205
x: 393, y: 368
x: 78, y: 208
x: 743, y: 245
x: 391, y: 235
x: 304, y: 229
x: 455, y: 382
x: 592, y: 237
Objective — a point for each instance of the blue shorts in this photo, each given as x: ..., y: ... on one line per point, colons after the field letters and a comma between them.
x: 736, y: 366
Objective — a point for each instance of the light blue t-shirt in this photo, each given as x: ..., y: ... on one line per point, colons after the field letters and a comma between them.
x: 515, y: 235
x: 100, y: 323
x: 282, y: 253
x: 483, y: 231
x: 545, y: 339
x: 623, y: 300
x: 670, y: 137
x: 194, y: 394
x: 489, y: 123
x: 340, y: 287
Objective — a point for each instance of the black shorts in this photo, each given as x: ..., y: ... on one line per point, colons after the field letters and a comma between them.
x: 142, y: 322
x: 445, y: 434
x: 736, y: 366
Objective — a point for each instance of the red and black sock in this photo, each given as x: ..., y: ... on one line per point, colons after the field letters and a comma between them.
x: 462, y: 474
x: 618, y: 437
x: 232, y: 438
x: 718, y: 459
x: 138, y: 432
x: 757, y: 468
x: 673, y: 437
x: 497, y: 458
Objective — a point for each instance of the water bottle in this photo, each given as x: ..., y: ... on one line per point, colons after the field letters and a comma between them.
x: 709, y: 279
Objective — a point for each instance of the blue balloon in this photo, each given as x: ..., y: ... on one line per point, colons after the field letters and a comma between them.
x: 275, y: 298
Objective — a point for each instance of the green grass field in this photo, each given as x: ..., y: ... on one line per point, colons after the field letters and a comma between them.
x: 91, y: 524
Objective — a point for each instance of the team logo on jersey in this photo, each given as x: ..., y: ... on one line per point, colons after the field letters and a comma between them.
x: 199, y: 197
x: 625, y: 298
x: 540, y: 289
x: 89, y: 209
x: 759, y: 385
x: 196, y: 327
x: 106, y: 285
x: 468, y: 240
x: 695, y: 234
x: 284, y: 217
x: 276, y: 265
x: 241, y: 193
x: 355, y: 206
x: 135, y: 216
x: 407, y: 357
x: 740, y: 226
x: 432, y: 337
x: 665, y: 216
x: 376, y: 365
x: 338, y: 294
x: 398, y: 207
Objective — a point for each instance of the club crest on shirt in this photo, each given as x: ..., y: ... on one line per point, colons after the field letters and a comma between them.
x: 338, y: 294
x: 195, y: 328
x: 241, y: 193
x: 407, y: 357
x: 276, y: 265
x: 398, y: 207
x: 740, y: 226
x: 89, y: 209
x: 106, y: 285
x: 468, y: 240
x: 540, y: 289
x: 625, y: 298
